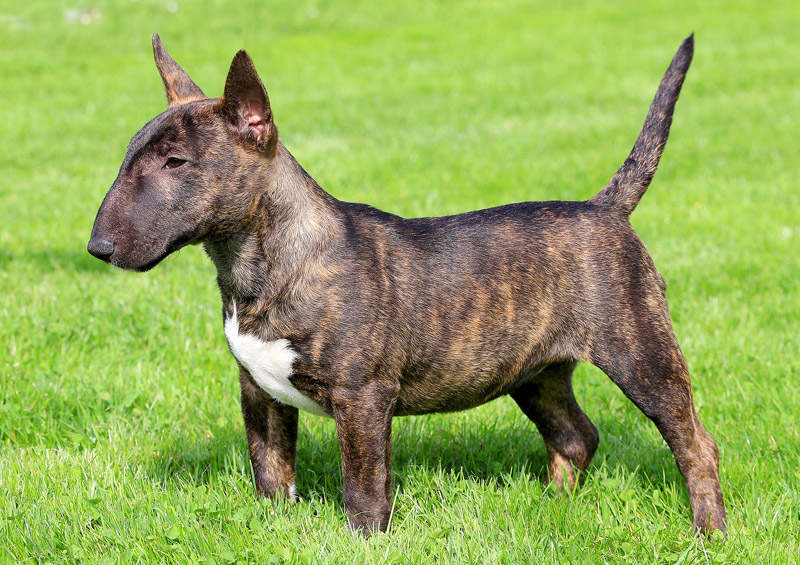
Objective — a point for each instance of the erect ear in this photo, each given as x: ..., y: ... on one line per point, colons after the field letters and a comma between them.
x: 245, y: 105
x: 180, y: 88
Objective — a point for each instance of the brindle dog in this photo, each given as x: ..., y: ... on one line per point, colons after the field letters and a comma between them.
x: 360, y: 315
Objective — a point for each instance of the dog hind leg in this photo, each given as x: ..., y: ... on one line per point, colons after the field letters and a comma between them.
x: 647, y: 364
x: 570, y: 437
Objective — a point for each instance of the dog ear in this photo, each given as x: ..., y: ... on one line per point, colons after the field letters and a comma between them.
x: 180, y: 88
x: 245, y: 105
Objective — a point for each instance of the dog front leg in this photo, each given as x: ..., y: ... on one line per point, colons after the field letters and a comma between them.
x: 272, y: 439
x: 364, y: 426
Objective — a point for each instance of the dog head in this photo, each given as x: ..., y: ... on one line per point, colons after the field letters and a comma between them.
x: 188, y: 174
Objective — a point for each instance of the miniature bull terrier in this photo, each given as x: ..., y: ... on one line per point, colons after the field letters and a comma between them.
x: 345, y: 311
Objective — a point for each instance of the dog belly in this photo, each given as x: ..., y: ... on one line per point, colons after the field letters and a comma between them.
x: 455, y: 389
x: 479, y: 350
x: 432, y: 398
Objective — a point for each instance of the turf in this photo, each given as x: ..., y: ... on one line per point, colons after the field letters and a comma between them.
x: 120, y: 432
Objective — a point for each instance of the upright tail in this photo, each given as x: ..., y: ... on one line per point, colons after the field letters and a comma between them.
x: 627, y: 186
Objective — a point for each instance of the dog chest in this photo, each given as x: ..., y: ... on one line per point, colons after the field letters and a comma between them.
x: 270, y: 365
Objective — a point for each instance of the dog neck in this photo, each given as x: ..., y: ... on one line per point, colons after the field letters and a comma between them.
x: 275, y: 245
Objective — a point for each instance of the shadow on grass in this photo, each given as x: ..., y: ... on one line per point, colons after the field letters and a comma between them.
x: 55, y: 259
x: 496, y: 454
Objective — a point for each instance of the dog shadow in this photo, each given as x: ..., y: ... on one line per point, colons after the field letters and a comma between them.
x: 496, y: 455
x: 75, y: 259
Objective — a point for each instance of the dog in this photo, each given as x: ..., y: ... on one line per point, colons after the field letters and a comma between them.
x: 345, y: 311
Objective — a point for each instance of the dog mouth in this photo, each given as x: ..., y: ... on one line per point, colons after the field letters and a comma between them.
x: 110, y: 253
x: 139, y: 268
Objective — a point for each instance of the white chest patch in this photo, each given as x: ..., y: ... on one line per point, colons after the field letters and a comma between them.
x: 270, y: 365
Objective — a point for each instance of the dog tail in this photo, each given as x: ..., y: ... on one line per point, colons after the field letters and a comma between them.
x: 630, y: 182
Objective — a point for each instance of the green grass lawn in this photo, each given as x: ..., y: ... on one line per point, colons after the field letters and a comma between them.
x: 120, y: 432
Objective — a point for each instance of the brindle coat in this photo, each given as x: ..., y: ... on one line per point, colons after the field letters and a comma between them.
x: 392, y: 316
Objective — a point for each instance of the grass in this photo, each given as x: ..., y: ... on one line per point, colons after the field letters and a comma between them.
x: 120, y: 433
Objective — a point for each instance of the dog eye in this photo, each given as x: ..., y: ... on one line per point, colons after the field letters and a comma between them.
x: 174, y: 163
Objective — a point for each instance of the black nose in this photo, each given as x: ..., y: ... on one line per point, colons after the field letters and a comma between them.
x: 100, y: 248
